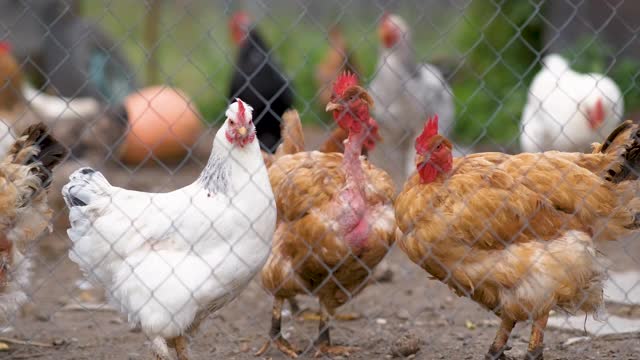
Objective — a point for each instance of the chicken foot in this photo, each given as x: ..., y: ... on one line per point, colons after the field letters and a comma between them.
x: 323, y: 343
x: 275, y: 334
x: 310, y: 315
x: 499, y: 345
x: 536, y: 346
x: 181, y: 345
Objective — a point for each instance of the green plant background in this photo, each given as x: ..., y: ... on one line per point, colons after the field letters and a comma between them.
x: 492, y: 52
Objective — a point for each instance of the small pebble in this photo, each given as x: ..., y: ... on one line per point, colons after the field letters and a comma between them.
x: 381, y: 321
x: 42, y: 317
x: 406, y: 345
x: 403, y: 314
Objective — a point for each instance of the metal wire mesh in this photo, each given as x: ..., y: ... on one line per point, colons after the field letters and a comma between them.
x: 139, y: 92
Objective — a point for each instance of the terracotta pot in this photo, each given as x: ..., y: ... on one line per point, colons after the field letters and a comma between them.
x: 164, y: 122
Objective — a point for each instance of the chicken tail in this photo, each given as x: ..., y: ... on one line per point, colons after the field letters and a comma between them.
x: 38, y: 148
x: 85, y: 185
x: 624, y: 145
x: 292, y: 135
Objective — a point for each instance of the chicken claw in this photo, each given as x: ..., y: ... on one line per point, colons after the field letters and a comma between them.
x: 282, y: 345
x: 326, y: 349
x: 310, y: 315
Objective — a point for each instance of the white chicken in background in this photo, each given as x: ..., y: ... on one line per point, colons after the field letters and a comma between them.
x: 405, y: 93
x: 168, y: 260
x: 568, y: 111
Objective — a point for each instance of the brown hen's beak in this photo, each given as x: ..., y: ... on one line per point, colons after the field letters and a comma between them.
x: 331, y: 106
x: 242, y: 131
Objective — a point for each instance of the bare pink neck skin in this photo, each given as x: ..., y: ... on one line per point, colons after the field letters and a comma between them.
x: 351, y: 160
x: 352, y: 218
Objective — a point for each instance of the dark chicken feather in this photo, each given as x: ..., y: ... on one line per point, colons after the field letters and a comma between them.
x: 258, y: 80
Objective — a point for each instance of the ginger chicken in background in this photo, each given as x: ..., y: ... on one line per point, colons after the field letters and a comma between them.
x: 335, y: 221
x: 25, y: 175
x: 517, y: 233
x: 338, y: 59
x: 405, y: 92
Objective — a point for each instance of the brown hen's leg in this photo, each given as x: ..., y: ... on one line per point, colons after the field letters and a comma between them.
x: 323, y: 343
x: 499, y: 345
x: 181, y: 345
x: 275, y: 333
x: 302, y: 314
x: 536, y: 346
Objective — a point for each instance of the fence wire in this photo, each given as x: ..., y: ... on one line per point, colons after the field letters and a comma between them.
x: 218, y: 179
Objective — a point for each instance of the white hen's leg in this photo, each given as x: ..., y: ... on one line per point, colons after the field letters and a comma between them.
x: 160, y: 349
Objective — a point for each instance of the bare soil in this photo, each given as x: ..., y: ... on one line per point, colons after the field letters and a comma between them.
x: 410, y: 305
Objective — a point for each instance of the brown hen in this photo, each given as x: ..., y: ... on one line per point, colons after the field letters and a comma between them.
x: 25, y: 174
x: 335, y: 221
x: 516, y: 233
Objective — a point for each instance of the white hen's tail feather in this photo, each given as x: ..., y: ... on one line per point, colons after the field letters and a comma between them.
x: 85, y: 186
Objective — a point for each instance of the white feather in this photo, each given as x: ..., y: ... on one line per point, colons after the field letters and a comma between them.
x: 404, y: 100
x: 554, y: 117
x: 166, y: 258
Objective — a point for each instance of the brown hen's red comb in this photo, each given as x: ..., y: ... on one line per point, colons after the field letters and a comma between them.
x: 430, y: 130
x: 5, y: 47
x: 344, y: 81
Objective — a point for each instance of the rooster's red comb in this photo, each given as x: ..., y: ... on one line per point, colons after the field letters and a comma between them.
x: 430, y: 130
x: 5, y: 47
x: 344, y: 81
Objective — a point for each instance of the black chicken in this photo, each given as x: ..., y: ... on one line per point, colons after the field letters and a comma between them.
x: 258, y: 81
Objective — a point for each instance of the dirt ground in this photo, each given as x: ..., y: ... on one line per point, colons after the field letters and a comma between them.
x: 409, y: 304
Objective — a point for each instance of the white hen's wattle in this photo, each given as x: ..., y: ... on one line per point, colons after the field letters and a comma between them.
x: 169, y: 259
x: 556, y: 114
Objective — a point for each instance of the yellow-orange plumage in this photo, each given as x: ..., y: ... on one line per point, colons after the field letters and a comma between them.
x: 516, y: 232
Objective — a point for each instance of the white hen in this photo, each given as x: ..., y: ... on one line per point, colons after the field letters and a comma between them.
x: 405, y: 94
x: 170, y: 259
x: 568, y: 111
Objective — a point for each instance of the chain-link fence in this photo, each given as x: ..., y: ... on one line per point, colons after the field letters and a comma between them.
x: 318, y: 250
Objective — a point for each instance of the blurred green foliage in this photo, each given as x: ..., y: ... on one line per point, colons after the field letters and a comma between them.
x: 496, y: 42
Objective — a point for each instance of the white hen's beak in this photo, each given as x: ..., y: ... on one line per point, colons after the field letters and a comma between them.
x: 242, y: 131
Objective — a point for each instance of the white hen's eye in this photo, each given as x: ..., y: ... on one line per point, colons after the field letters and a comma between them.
x: 232, y: 122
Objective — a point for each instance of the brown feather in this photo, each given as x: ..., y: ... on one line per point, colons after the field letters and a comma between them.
x: 306, y: 245
x: 504, y: 229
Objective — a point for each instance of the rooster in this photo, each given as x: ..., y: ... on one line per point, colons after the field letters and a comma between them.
x: 405, y: 93
x: 168, y: 260
x: 568, y: 111
x: 25, y: 175
x: 517, y: 233
x: 335, y: 224
x: 258, y: 80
